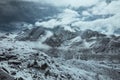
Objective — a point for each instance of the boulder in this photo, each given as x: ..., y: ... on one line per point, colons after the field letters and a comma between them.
x: 4, y: 57
x: 5, y: 76
x: 15, y: 62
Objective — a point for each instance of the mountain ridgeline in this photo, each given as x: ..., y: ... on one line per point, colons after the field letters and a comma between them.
x: 80, y: 42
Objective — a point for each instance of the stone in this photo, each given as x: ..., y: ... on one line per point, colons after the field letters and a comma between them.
x: 44, y: 66
x: 13, y: 73
x: 2, y: 58
x: 5, y: 76
x: 11, y: 56
x: 15, y: 62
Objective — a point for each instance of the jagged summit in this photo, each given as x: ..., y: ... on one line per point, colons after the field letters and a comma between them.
x: 60, y: 40
x: 74, y: 58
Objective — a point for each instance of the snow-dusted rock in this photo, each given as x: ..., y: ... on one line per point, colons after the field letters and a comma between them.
x: 59, y: 36
x: 74, y: 59
x: 5, y: 76
x: 87, y: 34
x: 32, y: 34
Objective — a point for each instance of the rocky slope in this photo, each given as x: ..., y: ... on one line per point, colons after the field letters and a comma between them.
x: 37, y: 54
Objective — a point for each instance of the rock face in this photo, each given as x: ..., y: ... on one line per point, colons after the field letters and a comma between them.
x: 74, y: 59
x: 5, y: 76
x: 4, y: 57
x: 101, y: 45
x: 107, y: 45
x: 89, y: 34
x: 32, y: 34
x: 60, y: 35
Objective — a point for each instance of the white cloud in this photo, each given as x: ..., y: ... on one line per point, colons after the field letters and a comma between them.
x: 104, y: 8
x: 69, y: 16
x: 107, y: 25
x: 74, y: 3
x: 48, y: 24
x: 103, y: 25
x: 66, y: 17
x: 86, y: 13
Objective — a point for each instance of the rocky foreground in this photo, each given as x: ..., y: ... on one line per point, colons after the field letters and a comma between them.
x: 58, y: 54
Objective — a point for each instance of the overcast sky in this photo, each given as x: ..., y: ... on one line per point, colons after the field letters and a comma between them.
x: 100, y: 7
x: 71, y: 16
x: 74, y: 3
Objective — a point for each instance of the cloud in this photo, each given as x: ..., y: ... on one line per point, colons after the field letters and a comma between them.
x: 107, y: 25
x: 71, y: 18
x: 68, y: 16
x: 104, y: 8
x: 73, y: 3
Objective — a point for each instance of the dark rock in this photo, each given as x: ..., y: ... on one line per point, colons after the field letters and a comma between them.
x: 5, y: 70
x: 28, y: 65
x: 114, y: 43
x: 3, y: 37
x: 13, y: 73
x: 44, y: 66
x: 34, y: 65
x: 114, y: 46
x: 2, y: 58
x: 47, y: 73
x: 89, y: 34
x: 20, y: 78
x: 108, y: 45
x: 32, y: 34
x: 1, y: 54
x: 5, y: 76
x: 54, y: 41
x: 35, y: 76
x: 11, y: 56
x: 14, y: 62
x: 10, y: 49
x: 60, y: 35
x: 53, y: 52
x: 101, y: 45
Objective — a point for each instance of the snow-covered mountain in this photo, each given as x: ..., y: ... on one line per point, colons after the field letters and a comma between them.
x: 60, y: 40
x: 50, y: 54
